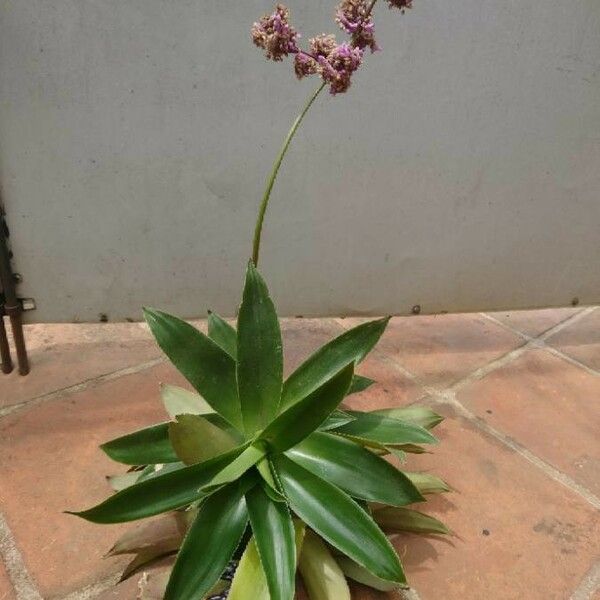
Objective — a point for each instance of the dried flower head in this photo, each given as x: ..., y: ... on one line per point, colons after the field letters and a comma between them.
x: 275, y: 35
x: 354, y: 17
x: 401, y: 4
x: 307, y: 63
x: 304, y: 65
x: 334, y: 62
x: 337, y: 68
x: 322, y: 45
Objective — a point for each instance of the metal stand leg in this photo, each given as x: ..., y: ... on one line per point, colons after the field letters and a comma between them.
x: 7, y: 365
x: 16, y: 324
x: 12, y: 307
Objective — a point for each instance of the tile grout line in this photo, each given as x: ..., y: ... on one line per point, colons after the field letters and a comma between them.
x: 530, y: 343
x: 589, y: 585
x: 93, y: 590
x: 448, y: 396
x: 95, y: 381
x: 540, y: 341
x: 18, y: 574
x: 79, y: 387
x: 408, y: 594
x: 541, y: 464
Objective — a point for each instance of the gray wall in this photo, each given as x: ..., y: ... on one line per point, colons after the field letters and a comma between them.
x: 461, y: 172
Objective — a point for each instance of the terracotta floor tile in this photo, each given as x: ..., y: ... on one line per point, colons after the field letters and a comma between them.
x: 534, y: 322
x: 392, y: 388
x: 301, y: 337
x: 550, y: 406
x: 6, y: 588
x: 519, y: 534
x: 581, y: 340
x: 50, y: 461
x: 64, y: 355
x: 442, y: 349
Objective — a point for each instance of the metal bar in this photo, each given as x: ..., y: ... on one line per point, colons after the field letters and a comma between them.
x: 12, y: 306
x: 16, y: 323
x: 7, y: 365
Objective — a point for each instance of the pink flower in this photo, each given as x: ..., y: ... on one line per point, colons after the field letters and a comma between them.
x: 307, y: 63
x: 275, y: 35
x: 304, y: 65
x: 337, y: 68
x: 354, y: 17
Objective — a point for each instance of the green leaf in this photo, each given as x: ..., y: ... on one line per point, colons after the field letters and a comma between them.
x: 195, y: 439
x: 209, y: 369
x: 179, y: 401
x: 360, y: 384
x: 360, y: 574
x: 146, y: 446
x: 260, y: 355
x: 357, y: 471
x: 336, y: 419
x: 209, y: 544
x: 416, y: 414
x: 235, y: 469
x: 152, y: 444
x: 351, y: 346
x: 298, y: 421
x: 270, y: 485
x: 384, y: 430
x: 320, y: 572
x: 338, y: 519
x: 161, y: 493
x: 428, y: 484
x: 250, y: 577
x: 274, y: 536
x: 405, y: 519
x: 221, y: 332
x: 154, y: 583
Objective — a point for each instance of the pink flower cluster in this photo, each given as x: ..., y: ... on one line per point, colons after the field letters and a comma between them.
x: 354, y: 17
x: 275, y: 35
x: 334, y: 62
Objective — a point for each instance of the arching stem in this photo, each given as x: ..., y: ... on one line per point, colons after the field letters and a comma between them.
x: 270, y: 182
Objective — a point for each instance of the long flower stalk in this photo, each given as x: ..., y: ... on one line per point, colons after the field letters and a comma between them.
x: 283, y: 42
x: 276, y: 165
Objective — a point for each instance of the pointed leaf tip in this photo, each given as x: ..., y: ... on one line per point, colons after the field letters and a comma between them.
x: 351, y: 346
x: 202, y: 362
x: 259, y: 355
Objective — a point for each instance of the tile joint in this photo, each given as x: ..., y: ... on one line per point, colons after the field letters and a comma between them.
x: 589, y: 585
x: 448, y: 396
x: 22, y: 583
x: 79, y: 387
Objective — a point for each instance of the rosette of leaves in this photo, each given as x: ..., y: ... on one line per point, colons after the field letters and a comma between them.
x: 269, y: 471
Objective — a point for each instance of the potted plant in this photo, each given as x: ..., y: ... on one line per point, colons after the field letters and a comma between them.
x: 277, y: 473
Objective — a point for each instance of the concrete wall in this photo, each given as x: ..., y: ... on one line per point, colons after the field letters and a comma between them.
x: 461, y: 172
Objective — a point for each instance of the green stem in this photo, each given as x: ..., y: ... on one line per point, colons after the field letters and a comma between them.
x: 271, y: 181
